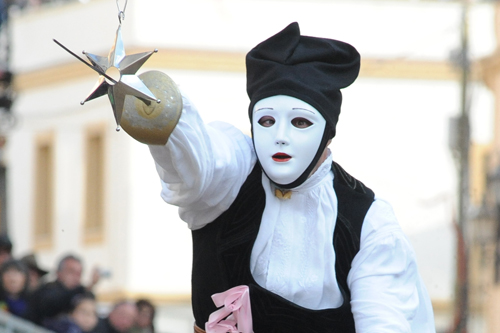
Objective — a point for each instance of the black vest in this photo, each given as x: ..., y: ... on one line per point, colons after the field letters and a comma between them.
x: 222, y: 249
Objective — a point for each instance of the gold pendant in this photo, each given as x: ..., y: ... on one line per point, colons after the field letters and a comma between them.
x: 282, y: 194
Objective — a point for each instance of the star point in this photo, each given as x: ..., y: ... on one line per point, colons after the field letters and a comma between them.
x: 127, y: 84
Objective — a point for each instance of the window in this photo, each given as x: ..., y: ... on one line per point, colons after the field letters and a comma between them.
x: 44, y: 191
x: 93, y: 227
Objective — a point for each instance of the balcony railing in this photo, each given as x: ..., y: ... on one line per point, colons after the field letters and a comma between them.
x: 13, y: 324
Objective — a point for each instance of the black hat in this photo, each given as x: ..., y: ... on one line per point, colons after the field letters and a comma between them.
x: 311, y: 69
x: 30, y: 261
x: 5, y: 243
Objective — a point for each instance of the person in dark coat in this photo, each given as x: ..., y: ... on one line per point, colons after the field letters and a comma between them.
x: 145, y: 318
x: 36, y: 273
x: 14, y: 287
x: 81, y: 319
x: 54, y: 298
x: 121, y: 319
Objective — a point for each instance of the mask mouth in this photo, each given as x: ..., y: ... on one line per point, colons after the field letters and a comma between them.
x: 281, y: 157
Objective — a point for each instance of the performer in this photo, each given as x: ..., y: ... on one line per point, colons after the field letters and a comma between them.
x: 316, y: 250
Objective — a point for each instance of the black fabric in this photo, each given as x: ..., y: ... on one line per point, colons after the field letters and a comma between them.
x: 311, y: 69
x: 222, y: 250
x: 354, y: 200
x: 104, y: 326
x: 50, y: 300
x: 61, y: 324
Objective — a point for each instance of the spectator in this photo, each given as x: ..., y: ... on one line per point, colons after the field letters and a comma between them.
x: 81, y: 319
x: 84, y: 312
x: 121, y: 319
x: 35, y: 272
x: 145, y: 318
x: 5, y: 248
x: 54, y: 298
x: 14, y: 282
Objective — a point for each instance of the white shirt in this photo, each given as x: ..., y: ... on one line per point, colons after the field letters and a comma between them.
x: 202, y: 168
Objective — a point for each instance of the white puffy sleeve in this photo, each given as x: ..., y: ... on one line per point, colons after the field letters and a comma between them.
x: 387, y: 294
x: 202, y: 166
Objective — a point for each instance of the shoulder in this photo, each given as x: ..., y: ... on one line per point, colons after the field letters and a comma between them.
x: 343, y: 180
x: 380, y: 220
x: 382, y: 235
x: 102, y: 326
x: 383, y: 244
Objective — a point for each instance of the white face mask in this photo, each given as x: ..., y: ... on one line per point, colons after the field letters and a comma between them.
x: 287, y: 133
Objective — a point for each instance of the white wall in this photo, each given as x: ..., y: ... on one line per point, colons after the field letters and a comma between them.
x: 378, y: 29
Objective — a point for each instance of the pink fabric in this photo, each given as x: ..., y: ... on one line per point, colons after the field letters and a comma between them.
x: 235, y: 305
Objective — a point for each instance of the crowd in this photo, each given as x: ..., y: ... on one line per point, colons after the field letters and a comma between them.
x: 64, y: 305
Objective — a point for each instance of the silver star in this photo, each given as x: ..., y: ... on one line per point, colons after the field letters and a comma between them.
x: 127, y: 84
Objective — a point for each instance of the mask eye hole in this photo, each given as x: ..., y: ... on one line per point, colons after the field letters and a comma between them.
x: 300, y: 122
x: 266, y: 121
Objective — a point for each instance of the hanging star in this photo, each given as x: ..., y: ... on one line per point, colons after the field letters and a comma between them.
x: 127, y: 83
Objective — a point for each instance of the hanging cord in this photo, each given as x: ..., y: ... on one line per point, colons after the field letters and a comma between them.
x: 121, y: 12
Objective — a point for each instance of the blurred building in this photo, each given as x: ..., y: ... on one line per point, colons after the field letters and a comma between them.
x: 484, y: 261
x: 75, y: 184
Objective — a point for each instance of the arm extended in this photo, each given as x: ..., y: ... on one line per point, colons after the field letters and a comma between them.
x: 202, y: 166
